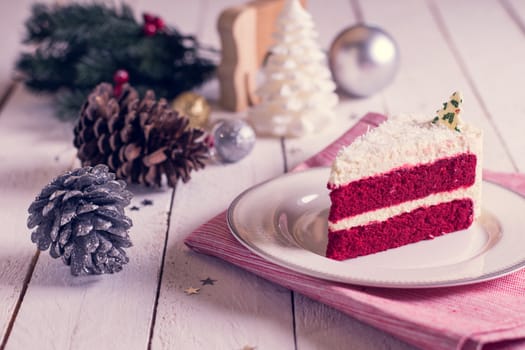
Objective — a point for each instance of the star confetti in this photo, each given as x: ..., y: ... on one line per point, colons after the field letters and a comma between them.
x: 191, y: 291
x: 208, y: 281
x: 147, y: 202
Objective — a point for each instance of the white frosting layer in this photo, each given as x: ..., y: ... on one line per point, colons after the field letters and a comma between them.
x: 402, y: 141
x: 473, y: 192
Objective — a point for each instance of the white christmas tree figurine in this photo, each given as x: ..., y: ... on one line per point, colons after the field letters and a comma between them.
x: 298, y: 94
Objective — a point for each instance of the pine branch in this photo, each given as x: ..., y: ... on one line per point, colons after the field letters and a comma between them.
x: 79, y: 46
x: 75, y: 21
x: 68, y: 102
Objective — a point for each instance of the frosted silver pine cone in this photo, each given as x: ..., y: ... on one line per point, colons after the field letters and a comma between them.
x: 80, y: 217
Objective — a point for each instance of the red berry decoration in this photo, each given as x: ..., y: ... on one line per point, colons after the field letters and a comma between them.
x: 148, y: 18
x: 159, y: 23
x: 149, y: 29
x: 121, y: 77
x: 117, y: 90
x: 152, y: 24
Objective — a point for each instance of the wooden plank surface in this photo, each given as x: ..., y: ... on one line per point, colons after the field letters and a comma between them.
x: 516, y: 12
x: 35, y: 148
x: 12, y: 27
x: 252, y: 307
x: 17, y: 182
x: 496, y: 78
x: 145, y: 306
x: 249, y: 307
x: 109, y: 311
x: 102, y: 305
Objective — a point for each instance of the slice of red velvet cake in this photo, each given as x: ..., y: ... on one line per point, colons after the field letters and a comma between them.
x: 405, y: 181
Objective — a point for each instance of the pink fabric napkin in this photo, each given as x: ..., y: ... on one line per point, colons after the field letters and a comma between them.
x: 484, y: 315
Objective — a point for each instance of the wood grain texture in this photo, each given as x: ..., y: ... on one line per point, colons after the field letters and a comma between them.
x: 445, y: 45
x: 90, y: 311
x: 97, y: 312
x: 240, y: 309
x: 497, y: 78
x: 12, y: 25
x: 35, y: 148
x: 516, y: 12
x: 325, y: 328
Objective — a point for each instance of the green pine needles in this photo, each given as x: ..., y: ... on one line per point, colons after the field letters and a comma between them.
x: 79, y: 46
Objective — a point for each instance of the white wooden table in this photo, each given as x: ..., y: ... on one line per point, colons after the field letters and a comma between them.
x: 477, y: 47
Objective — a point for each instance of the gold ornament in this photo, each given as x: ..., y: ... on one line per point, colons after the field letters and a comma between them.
x: 195, y: 107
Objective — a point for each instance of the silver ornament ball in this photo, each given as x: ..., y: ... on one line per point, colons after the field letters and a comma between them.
x: 233, y: 140
x: 363, y: 60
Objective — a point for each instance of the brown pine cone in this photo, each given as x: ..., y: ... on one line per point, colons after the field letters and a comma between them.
x: 140, y: 140
x: 97, y: 133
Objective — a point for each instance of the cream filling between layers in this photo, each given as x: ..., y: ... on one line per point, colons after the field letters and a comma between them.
x: 473, y: 192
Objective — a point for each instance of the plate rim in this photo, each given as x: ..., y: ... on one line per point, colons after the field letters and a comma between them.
x: 327, y: 276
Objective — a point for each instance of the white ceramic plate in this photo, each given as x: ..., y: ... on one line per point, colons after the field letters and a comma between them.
x: 284, y: 220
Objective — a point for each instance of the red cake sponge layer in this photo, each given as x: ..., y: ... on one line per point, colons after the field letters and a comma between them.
x: 420, y: 224
x: 401, y: 185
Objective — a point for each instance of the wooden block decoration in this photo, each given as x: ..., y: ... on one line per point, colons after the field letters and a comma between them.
x: 238, y: 57
x: 246, y: 37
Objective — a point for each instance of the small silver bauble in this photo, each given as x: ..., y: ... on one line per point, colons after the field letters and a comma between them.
x: 363, y: 60
x: 233, y: 140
